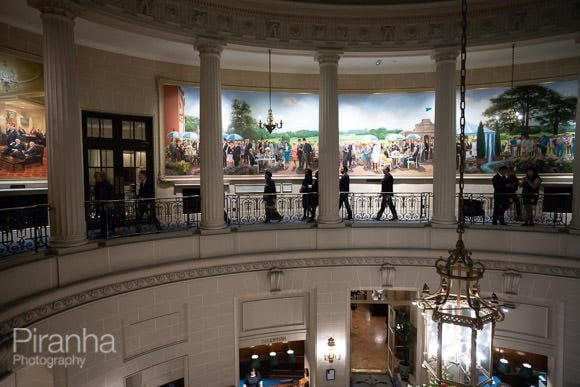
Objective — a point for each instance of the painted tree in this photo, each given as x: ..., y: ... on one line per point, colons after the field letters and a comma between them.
x: 480, y: 141
x: 242, y: 121
x: 191, y: 124
x: 558, y: 110
x: 529, y: 103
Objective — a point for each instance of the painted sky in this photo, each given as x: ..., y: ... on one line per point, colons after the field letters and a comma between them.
x: 356, y: 111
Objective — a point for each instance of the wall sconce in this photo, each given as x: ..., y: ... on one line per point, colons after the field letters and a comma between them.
x: 387, y: 275
x: 331, y: 355
x: 275, y: 276
x: 511, y: 282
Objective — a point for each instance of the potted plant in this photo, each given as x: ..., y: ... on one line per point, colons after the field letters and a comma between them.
x: 404, y: 330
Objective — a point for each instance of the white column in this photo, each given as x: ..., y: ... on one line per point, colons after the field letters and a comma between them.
x: 575, y: 224
x: 210, y: 135
x: 328, y: 160
x: 63, y: 127
x: 444, y: 160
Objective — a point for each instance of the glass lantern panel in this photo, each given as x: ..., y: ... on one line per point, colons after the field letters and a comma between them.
x: 483, y: 355
x: 431, y: 341
x: 456, y: 353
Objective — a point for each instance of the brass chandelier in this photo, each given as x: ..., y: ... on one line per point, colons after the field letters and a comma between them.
x: 270, y: 125
x: 459, y: 322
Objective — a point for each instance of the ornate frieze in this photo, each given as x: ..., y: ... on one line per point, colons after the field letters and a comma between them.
x: 384, y: 27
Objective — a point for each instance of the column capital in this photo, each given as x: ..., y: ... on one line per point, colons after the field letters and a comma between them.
x: 209, y: 46
x: 328, y: 56
x: 62, y: 8
x: 445, y: 54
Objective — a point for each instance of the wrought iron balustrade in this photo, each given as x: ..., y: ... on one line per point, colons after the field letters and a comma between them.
x: 23, y: 229
x: 119, y: 218
x: 550, y: 210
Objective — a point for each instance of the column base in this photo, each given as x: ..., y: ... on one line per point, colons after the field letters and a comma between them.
x: 329, y: 220
x: 574, y: 229
x: 214, y: 231
x: 443, y: 222
x: 66, y: 250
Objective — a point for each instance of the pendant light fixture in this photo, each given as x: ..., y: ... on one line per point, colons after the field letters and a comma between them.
x: 270, y: 125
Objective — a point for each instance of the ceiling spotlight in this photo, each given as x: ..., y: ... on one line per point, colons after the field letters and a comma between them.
x: 527, y: 365
x: 379, y: 62
x: 504, y: 361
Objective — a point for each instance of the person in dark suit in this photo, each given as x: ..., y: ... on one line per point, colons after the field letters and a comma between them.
x: 344, y: 188
x: 14, y: 148
x: 103, y: 206
x: 500, y: 195
x: 387, y: 193
x: 269, y: 199
x: 146, y: 204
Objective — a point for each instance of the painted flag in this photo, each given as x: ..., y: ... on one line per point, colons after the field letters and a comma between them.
x: 428, y: 108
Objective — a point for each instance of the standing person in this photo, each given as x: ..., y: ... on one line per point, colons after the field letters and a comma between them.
x: 299, y: 154
x: 294, y: 152
x: 269, y: 199
x: 287, y: 152
x: 512, y: 187
x: 306, y: 151
x: 387, y: 193
x: 104, y: 210
x: 313, y: 201
x: 253, y: 379
x: 237, y: 153
x: 225, y: 148
x: 344, y: 189
x: 376, y: 157
x: 500, y: 195
x: 306, y: 189
x: 146, y: 204
x: 530, y: 189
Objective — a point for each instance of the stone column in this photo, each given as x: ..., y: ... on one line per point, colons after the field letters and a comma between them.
x: 444, y: 160
x: 575, y: 223
x: 63, y: 127
x: 328, y: 161
x: 210, y: 135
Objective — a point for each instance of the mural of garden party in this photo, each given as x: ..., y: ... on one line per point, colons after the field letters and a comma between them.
x: 526, y: 125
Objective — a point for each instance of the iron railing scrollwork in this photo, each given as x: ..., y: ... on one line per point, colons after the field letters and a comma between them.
x: 23, y: 229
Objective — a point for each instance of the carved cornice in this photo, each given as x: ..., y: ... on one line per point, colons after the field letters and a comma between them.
x: 376, y: 28
x: 75, y: 300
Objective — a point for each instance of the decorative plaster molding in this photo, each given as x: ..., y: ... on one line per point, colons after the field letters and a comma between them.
x: 286, y: 25
x: 75, y: 300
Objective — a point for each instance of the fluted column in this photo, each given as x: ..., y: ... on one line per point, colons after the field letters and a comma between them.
x: 444, y: 160
x: 63, y: 127
x: 210, y: 135
x: 575, y: 224
x: 328, y: 160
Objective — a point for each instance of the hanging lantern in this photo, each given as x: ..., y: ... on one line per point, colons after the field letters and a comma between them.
x: 459, y: 323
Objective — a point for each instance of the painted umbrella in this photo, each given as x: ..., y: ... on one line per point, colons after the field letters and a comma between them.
x: 394, y: 137
x: 174, y: 134
x: 234, y: 137
x: 369, y: 137
x: 191, y: 135
x: 413, y: 136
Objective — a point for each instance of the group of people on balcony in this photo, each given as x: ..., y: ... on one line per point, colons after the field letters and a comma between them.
x: 309, y: 191
x: 505, y: 187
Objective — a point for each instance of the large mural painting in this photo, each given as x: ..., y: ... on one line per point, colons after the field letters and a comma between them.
x: 528, y: 125
x: 22, y: 122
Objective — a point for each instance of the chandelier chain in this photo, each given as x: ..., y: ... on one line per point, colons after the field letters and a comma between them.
x: 461, y: 223
x: 270, y: 76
